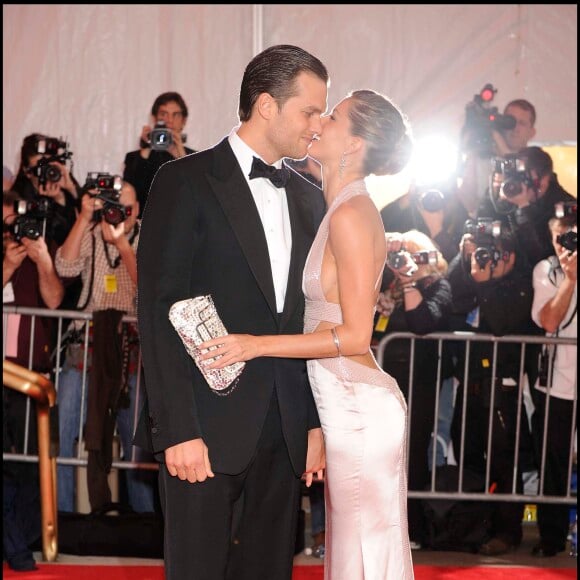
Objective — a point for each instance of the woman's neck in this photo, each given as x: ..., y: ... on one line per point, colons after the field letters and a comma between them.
x: 333, y: 184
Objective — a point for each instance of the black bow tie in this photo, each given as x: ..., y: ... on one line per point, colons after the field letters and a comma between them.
x: 279, y: 177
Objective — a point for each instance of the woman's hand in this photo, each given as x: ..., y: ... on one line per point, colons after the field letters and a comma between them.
x: 385, y: 304
x: 228, y: 349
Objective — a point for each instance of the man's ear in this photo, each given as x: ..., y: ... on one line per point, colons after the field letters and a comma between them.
x: 266, y: 106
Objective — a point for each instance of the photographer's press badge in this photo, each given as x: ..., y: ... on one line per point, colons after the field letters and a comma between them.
x: 110, y: 283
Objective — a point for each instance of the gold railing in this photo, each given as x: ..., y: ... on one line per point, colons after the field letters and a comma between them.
x: 42, y: 390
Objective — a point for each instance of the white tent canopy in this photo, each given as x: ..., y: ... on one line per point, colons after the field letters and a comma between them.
x: 90, y: 73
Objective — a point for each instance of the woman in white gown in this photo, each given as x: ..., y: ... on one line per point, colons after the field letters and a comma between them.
x: 362, y: 411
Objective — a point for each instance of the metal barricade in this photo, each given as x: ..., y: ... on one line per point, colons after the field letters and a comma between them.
x: 61, y: 335
x: 468, y: 338
x: 379, y: 349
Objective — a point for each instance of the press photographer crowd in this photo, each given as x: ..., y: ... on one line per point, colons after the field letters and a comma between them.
x: 490, y: 252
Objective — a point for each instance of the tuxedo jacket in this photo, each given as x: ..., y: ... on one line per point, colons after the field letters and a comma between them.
x: 202, y: 234
x: 140, y: 172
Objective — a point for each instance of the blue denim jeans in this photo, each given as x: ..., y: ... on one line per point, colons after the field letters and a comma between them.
x: 317, y: 509
x: 444, y: 419
x: 140, y: 483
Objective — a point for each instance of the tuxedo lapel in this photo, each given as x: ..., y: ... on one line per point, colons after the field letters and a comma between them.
x: 235, y: 198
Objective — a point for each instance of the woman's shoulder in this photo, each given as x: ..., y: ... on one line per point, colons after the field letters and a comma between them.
x: 358, y: 212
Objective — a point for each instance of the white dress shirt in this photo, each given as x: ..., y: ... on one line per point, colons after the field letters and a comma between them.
x: 272, y: 206
x: 546, y: 283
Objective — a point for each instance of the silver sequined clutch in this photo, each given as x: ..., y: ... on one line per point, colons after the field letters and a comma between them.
x: 196, y: 320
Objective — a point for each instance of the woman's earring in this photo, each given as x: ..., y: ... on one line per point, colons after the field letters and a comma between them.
x: 341, y: 166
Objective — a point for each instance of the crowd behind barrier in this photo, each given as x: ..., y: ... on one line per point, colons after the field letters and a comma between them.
x: 129, y: 463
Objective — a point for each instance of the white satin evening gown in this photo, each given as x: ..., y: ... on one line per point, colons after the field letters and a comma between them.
x: 364, y: 420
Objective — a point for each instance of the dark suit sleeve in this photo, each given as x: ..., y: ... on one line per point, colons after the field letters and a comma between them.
x: 165, y: 257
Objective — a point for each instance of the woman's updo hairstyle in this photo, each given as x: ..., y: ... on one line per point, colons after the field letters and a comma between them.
x: 385, y: 130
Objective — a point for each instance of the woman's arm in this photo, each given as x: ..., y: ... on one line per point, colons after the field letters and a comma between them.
x: 353, y: 246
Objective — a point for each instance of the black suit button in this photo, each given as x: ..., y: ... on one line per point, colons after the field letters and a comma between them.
x: 154, y: 430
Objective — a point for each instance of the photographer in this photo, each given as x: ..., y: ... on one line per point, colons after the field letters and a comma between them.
x: 43, y: 173
x: 491, y: 282
x: 555, y: 310
x: 416, y: 298
x: 162, y: 143
x: 28, y: 279
x: 430, y: 210
x: 487, y: 134
x: 101, y: 248
x: 524, y: 190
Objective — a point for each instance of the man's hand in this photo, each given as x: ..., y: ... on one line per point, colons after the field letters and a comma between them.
x: 189, y: 461
x: 502, y: 268
x: 177, y: 149
x: 385, y: 304
x: 569, y: 263
x: 145, y: 151
x: 53, y: 190
x: 114, y: 234
x: 37, y: 251
x: 315, y: 456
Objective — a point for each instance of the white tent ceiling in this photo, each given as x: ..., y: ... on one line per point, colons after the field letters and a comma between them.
x: 90, y: 73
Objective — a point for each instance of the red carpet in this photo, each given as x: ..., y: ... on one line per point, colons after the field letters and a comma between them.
x: 68, y: 572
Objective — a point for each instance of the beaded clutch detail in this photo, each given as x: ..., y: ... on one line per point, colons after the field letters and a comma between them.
x: 196, y: 320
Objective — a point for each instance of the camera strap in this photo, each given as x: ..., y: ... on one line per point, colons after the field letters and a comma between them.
x: 92, y: 278
x: 114, y: 264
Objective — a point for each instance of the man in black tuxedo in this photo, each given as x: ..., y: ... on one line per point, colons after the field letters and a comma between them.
x: 214, y: 225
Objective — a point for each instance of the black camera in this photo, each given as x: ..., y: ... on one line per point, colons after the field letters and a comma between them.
x: 483, y: 229
x: 485, y: 232
x: 396, y: 260
x: 103, y: 182
x: 56, y: 151
x: 481, y: 119
x: 568, y: 240
x: 509, y: 175
x: 109, y: 191
x: 485, y: 254
x: 45, y: 171
x: 432, y: 200
x: 544, y: 366
x: 30, y: 221
x: 53, y: 147
x: 160, y: 137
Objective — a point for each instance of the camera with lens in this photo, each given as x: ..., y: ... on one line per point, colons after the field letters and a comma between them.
x: 56, y: 151
x: 486, y: 232
x: 396, y: 260
x: 30, y: 221
x: 46, y: 171
x: 160, y: 137
x: 509, y: 176
x: 431, y: 200
x: 108, y: 190
x: 481, y: 119
x: 568, y: 240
